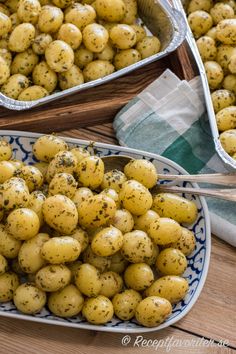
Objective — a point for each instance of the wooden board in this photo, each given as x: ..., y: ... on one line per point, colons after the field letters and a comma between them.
x: 97, y: 105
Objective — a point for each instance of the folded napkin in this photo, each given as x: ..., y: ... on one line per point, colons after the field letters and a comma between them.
x: 168, y: 118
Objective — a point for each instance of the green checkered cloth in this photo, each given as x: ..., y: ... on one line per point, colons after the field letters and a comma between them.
x: 168, y: 118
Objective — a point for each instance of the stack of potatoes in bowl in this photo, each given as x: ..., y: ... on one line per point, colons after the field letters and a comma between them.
x: 82, y: 240
x: 213, y: 24
x: 58, y: 44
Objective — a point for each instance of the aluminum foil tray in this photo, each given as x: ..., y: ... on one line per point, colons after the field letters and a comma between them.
x: 158, y: 17
x: 228, y: 161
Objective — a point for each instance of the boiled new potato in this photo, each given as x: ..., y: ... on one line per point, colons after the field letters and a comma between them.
x: 226, y: 31
x: 171, y: 261
x: 29, y: 299
x: 90, y: 172
x: 110, y: 10
x: 221, y: 11
x: 126, y: 57
x: 42, y: 167
x: 123, y: 36
x: 224, y: 53
x: 175, y: 207
x: 200, y: 22
x: 142, y: 171
x: 23, y: 223
x: 59, y: 56
x: 112, y: 284
x: 144, y: 221
x: 106, y: 54
x: 15, y: 194
x: 34, y: 92
x: 222, y: 99
x: 98, y: 310
x: 135, y: 197
x: 87, y: 280
x: 82, y: 237
x: 6, y: 171
x: 41, y: 42
x: 204, y: 5
x: 138, y: 276
x: 214, y: 73
x: 24, y: 63
x: 5, y: 150
x: 148, y: 46
x: 28, y: 11
x: 4, y: 71
x: 67, y: 302
x: 32, y: 177
x: 140, y: 31
x: 95, y: 37
x: 97, y: 69
x: 80, y: 15
x: 5, y: 24
x: 21, y: 37
x: 152, y: 311
x: 53, y: 277
x: 113, y: 179
x: 228, y: 141
x: 80, y: 153
x: 170, y: 287
x: 111, y: 193
x: 63, y: 183
x: 8, y: 244
x: 164, y: 230
x: 71, y: 78
x: 152, y: 260
x: 96, y: 211
x: 125, y: 304
x: 226, y: 118
x: 62, y: 3
x: 123, y: 220
x: 107, y: 241
x: 50, y: 19
x: 137, y: 246
x: 70, y: 34
x: 229, y: 83
x: 29, y: 257
x: 44, y: 76
x: 101, y: 263
x: 47, y: 146
x: 3, y: 265
x: 83, y: 57
x: 62, y: 249
x: 8, y: 284
x: 212, y: 33
x: 15, y: 85
x: 207, y: 48
x: 60, y: 213
x: 131, y: 11
x: 6, y: 55
x: 81, y: 194
x: 63, y: 162
x: 186, y: 242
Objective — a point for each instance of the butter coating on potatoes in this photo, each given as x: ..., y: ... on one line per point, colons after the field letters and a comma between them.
x: 86, y: 240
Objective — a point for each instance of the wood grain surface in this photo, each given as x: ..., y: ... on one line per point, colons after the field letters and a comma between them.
x: 212, y: 317
x: 96, y: 105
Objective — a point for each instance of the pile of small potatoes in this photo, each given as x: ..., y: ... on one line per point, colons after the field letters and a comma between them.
x: 50, y: 45
x: 82, y: 240
x: 213, y: 24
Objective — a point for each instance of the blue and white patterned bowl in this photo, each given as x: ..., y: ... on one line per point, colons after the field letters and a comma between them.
x: 198, y: 262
